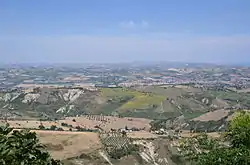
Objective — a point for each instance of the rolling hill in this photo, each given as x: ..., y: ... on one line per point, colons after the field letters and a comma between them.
x: 146, y: 102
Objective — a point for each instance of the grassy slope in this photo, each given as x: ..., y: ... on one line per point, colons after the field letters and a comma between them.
x: 138, y: 100
x: 176, y: 100
x: 154, y: 102
x: 143, y: 101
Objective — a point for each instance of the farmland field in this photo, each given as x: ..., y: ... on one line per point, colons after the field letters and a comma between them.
x: 106, y: 124
x: 63, y: 145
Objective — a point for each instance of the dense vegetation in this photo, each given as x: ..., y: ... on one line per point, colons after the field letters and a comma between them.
x: 22, y: 148
x: 233, y: 147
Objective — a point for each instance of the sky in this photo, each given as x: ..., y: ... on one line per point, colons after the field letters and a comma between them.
x: 86, y: 31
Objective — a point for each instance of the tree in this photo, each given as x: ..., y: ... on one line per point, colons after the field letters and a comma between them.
x: 239, y: 130
x: 21, y: 148
x: 53, y: 127
x: 124, y: 133
x: 233, y: 147
x: 64, y: 124
x: 60, y: 129
x: 41, y: 127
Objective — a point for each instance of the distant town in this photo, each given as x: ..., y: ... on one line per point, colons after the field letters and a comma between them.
x: 124, y: 75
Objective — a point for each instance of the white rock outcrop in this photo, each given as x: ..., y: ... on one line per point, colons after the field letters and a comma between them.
x: 72, y: 95
x: 66, y: 108
x: 28, y: 98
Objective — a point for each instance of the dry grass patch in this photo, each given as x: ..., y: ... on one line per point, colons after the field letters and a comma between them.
x: 84, y: 122
x: 111, y: 122
x: 186, y: 134
x: 63, y: 145
x: 215, y: 115
x: 142, y: 135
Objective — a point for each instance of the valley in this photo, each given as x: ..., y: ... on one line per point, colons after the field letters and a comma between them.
x: 141, y: 123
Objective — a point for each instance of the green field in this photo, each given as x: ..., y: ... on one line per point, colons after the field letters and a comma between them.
x: 139, y: 100
x: 112, y: 92
x: 144, y: 101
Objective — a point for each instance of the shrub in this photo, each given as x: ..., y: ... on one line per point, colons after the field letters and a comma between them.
x: 64, y: 124
x: 53, y: 127
x: 60, y: 129
x: 41, y: 127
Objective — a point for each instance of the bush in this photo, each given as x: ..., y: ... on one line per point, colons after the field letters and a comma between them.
x: 22, y: 147
x: 64, y: 124
x: 41, y: 127
x: 60, y: 129
x: 80, y: 129
x: 117, y: 153
x: 53, y: 127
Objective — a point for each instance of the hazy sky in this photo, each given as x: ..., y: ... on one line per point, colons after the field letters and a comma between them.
x: 124, y: 30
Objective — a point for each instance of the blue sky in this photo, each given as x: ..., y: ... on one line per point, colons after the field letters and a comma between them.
x: 60, y: 31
